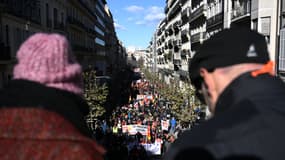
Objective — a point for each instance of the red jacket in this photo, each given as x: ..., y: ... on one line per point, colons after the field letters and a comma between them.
x: 38, y: 134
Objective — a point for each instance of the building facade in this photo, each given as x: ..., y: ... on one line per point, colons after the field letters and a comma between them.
x: 197, y: 20
x: 172, y: 42
x: 88, y: 25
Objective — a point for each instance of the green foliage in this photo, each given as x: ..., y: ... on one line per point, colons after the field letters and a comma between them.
x: 182, y: 101
x: 94, y: 94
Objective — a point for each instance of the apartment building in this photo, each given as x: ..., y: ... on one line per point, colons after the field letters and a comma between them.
x: 281, y: 45
x: 197, y: 24
x: 171, y: 42
x: 215, y: 17
x: 200, y: 19
x: 88, y: 24
x: 185, y: 39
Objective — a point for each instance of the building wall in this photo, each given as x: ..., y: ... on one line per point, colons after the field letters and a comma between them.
x: 88, y: 24
x: 185, y: 46
x: 266, y: 11
x: 263, y: 16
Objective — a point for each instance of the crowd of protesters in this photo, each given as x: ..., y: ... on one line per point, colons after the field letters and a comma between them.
x: 145, y: 108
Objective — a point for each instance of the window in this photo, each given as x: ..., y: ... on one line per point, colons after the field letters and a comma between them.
x: 283, y: 21
x: 47, y: 14
x: 18, y: 37
x: 282, y: 50
x: 62, y: 17
x: 7, y: 35
x: 98, y: 30
x: 100, y: 11
x: 265, y: 25
x: 55, y: 16
x: 100, y: 41
x: 101, y: 21
x: 101, y: 3
x: 255, y: 24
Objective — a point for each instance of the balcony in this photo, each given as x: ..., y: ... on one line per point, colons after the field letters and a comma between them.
x: 185, y: 53
x: 165, y: 46
x: 184, y: 38
x: 177, y: 60
x: 159, y: 32
x: 198, y: 12
x: 198, y: 37
x: 162, y: 39
x: 174, y: 10
x: 176, y: 30
x: 170, y: 31
x: 170, y: 45
x: 177, y: 42
x: 176, y: 49
x: 159, y: 51
x: 185, y: 15
x: 215, y: 20
x: 241, y: 10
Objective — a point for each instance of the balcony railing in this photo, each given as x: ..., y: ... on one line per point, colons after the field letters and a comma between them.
x: 198, y: 12
x: 198, y: 37
x: 242, y: 10
x: 217, y: 19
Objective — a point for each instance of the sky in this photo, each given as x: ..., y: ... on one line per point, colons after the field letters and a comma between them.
x: 136, y: 20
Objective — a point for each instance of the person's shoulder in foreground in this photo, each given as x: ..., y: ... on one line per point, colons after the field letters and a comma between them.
x: 233, y: 75
x: 42, y: 109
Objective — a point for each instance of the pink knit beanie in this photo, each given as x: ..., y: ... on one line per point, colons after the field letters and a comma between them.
x: 47, y: 59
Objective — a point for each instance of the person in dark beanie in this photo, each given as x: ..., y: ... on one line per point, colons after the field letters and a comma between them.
x: 233, y: 75
x: 42, y: 110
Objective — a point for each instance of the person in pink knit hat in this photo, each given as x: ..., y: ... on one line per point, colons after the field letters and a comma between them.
x: 42, y: 110
x: 47, y: 59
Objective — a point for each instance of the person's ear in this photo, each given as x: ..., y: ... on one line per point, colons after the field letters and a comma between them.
x: 205, y: 75
x: 208, y: 79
